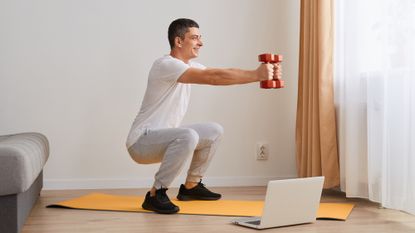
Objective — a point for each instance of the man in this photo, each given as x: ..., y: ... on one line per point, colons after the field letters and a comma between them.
x: 156, y: 134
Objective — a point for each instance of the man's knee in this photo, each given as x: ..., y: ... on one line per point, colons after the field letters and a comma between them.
x: 189, y: 138
x: 216, y: 129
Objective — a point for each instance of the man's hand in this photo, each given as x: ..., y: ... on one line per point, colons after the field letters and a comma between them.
x: 277, y: 71
x: 265, y: 71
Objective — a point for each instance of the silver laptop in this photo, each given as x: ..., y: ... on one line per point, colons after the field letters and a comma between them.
x: 288, y: 202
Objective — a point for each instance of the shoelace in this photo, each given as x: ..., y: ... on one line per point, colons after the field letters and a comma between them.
x: 161, y: 194
x: 201, y: 184
x: 203, y: 187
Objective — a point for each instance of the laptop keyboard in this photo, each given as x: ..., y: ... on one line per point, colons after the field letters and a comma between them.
x: 256, y: 222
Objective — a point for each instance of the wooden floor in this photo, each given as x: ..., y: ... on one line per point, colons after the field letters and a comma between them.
x: 366, y: 217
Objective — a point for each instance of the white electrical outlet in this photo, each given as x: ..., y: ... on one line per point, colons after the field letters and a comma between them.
x: 262, y: 151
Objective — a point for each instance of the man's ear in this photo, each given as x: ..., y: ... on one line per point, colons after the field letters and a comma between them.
x: 178, y: 42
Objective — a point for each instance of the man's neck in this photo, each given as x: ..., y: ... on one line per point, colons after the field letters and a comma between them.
x: 177, y: 55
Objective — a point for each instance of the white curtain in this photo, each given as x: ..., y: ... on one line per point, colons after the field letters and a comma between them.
x: 375, y: 100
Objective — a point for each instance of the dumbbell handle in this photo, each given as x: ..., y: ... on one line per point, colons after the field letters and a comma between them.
x: 271, y: 58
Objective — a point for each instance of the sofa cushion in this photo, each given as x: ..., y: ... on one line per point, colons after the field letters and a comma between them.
x: 22, y: 157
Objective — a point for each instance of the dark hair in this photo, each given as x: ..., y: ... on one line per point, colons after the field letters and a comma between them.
x: 178, y: 28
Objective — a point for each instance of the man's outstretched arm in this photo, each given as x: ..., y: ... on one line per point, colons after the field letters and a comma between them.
x: 215, y: 76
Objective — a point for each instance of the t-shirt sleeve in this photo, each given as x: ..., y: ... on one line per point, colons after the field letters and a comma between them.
x: 197, y: 65
x: 170, y: 70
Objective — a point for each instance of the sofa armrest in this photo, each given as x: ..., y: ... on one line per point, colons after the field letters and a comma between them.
x: 22, y: 158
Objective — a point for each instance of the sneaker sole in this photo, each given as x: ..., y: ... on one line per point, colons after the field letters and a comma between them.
x: 190, y: 198
x: 148, y: 207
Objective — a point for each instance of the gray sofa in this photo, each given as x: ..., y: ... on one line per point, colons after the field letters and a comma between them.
x: 22, y: 157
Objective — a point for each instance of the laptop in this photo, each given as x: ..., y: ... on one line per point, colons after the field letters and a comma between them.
x: 288, y: 202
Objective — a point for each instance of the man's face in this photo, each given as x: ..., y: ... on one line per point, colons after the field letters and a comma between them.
x: 191, y: 44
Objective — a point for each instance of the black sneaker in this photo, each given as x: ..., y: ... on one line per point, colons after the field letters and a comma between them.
x: 160, y: 203
x: 199, y: 192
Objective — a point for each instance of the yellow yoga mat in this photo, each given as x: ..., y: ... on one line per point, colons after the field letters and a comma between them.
x: 101, y: 201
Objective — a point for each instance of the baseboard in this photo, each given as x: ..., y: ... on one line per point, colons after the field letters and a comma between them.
x: 62, y: 184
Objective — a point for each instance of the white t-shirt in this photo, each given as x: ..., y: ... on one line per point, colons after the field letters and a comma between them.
x: 165, y: 101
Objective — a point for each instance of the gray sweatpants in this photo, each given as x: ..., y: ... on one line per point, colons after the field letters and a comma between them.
x: 173, y: 146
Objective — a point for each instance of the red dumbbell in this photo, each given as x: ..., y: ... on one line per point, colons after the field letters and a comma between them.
x: 272, y: 83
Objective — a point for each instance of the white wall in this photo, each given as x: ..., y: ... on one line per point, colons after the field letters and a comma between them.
x: 76, y: 71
